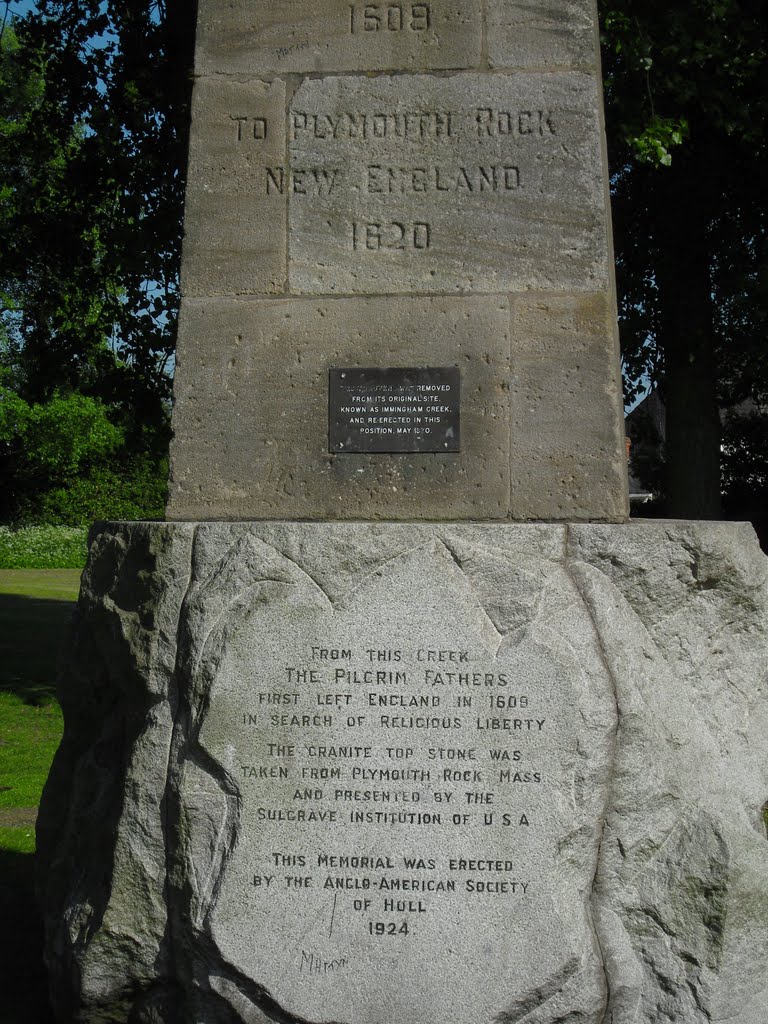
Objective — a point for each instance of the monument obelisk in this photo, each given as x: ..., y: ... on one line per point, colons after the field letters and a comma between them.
x: 397, y: 720
x: 398, y: 185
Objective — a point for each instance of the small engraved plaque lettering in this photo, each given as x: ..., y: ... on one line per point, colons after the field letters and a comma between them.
x: 408, y: 409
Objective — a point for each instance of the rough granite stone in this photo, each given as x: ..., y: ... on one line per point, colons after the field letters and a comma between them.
x: 608, y: 864
x: 102, y: 866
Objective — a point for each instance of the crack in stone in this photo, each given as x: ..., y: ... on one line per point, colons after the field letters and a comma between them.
x: 457, y: 561
x: 568, y: 567
x: 694, y: 990
x: 304, y: 571
x: 380, y: 566
x: 223, y: 620
x: 537, y: 997
x: 228, y: 833
x: 207, y: 585
x: 258, y: 996
x: 173, y: 704
x: 657, y: 919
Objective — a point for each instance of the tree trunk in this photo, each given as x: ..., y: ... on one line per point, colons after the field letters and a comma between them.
x: 686, y: 334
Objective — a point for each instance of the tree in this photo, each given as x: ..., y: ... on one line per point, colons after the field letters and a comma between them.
x: 93, y: 137
x: 91, y: 233
x: 65, y: 462
x: 686, y: 116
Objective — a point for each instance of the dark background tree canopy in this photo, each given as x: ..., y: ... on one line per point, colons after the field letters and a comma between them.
x: 686, y: 103
x: 93, y: 131
x: 93, y: 137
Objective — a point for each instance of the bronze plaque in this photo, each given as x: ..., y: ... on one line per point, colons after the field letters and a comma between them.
x: 402, y: 409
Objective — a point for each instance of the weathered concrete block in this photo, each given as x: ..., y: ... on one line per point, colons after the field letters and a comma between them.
x: 473, y: 183
x: 541, y: 421
x: 541, y: 34
x: 413, y: 773
x: 235, y: 235
x: 321, y: 36
x: 567, y: 416
x: 396, y: 152
x: 263, y: 447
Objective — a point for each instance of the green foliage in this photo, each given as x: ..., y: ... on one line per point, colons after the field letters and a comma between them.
x: 67, y: 434
x: 14, y: 417
x: 94, y: 103
x: 67, y: 463
x: 685, y: 82
x: 43, y: 547
x: 92, y: 150
x: 745, y: 453
x: 687, y: 124
x: 137, y: 493
x: 680, y: 70
x: 654, y: 145
x: 31, y: 735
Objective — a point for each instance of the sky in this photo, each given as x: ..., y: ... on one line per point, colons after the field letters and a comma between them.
x: 20, y: 6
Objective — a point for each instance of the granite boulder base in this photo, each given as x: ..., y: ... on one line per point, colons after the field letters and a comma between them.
x: 410, y: 774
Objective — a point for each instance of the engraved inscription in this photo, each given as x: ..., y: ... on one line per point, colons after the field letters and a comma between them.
x: 250, y: 127
x: 409, y: 180
x: 501, y: 174
x: 328, y: 36
x: 460, y: 776
x: 394, y: 410
x: 379, y: 180
x: 485, y: 122
x: 364, y: 125
x: 520, y: 122
x: 394, y: 235
x: 316, y: 181
x: 413, y: 763
x: 389, y: 17
x: 396, y: 788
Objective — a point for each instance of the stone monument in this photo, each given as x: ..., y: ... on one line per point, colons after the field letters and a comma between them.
x: 397, y: 720
x: 398, y: 185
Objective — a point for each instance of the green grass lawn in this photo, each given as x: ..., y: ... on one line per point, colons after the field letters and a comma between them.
x: 29, y: 736
x: 35, y: 609
x: 45, y: 584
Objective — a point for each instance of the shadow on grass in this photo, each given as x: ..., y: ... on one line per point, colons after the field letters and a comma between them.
x: 32, y: 631
x: 25, y: 993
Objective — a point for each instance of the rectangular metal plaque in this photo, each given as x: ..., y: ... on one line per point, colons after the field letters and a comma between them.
x: 403, y: 409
